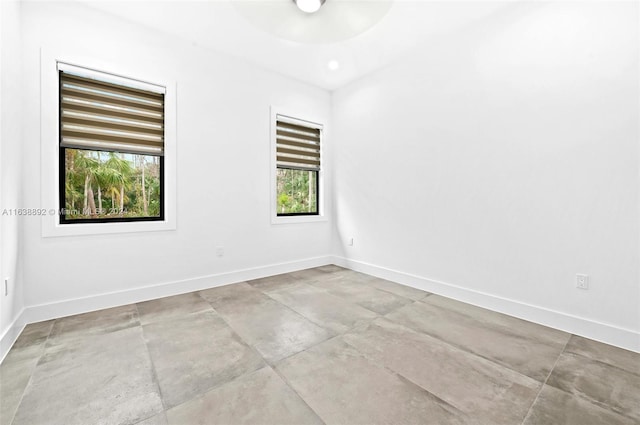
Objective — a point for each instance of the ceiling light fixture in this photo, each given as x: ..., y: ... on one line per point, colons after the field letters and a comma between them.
x: 334, y: 21
x: 333, y: 65
x: 309, y: 6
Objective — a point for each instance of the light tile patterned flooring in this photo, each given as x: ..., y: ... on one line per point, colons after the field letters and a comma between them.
x: 324, y: 345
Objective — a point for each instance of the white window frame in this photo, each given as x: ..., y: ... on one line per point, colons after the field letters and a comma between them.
x: 50, y: 145
x: 296, y: 118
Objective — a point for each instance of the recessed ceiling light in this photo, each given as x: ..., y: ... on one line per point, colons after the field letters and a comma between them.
x: 309, y: 6
x: 333, y: 64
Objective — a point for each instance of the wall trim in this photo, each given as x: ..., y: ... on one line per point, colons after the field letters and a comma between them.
x: 55, y: 310
x: 603, y: 332
x: 11, y: 334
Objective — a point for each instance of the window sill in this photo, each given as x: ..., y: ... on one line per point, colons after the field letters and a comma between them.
x: 294, y: 219
x: 52, y: 229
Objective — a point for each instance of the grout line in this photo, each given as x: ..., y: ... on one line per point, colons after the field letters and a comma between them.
x: 288, y: 384
x: 457, y: 346
x: 545, y: 381
x: 154, y: 373
x: 329, y: 331
x: 300, y: 314
x: 434, y: 397
x: 315, y: 344
x: 586, y: 356
x: 199, y: 396
x: 431, y: 395
x: 397, y: 295
x: 601, y: 404
x: 462, y: 347
x: 251, y: 346
x: 364, y: 282
x: 331, y: 334
x: 305, y: 350
x: 235, y: 332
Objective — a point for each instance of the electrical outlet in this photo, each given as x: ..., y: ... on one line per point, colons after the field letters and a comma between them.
x: 6, y: 286
x: 350, y: 241
x: 219, y: 251
x: 582, y: 281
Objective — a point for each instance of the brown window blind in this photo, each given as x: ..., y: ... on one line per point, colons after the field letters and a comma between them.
x: 297, y: 146
x: 100, y: 115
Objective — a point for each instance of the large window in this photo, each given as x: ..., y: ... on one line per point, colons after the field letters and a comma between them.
x: 111, y: 150
x: 297, y: 167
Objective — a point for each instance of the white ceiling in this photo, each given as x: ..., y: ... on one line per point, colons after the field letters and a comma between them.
x: 232, y: 27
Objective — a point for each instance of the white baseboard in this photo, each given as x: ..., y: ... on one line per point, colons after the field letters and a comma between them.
x: 603, y: 332
x: 610, y: 334
x: 39, y: 313
x: 11, y: 334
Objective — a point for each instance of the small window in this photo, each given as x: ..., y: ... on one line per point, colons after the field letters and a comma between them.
x: 297, y: 167
x: 111, y: 150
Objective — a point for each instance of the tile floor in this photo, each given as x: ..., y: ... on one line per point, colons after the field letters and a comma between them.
x: 324, y: 345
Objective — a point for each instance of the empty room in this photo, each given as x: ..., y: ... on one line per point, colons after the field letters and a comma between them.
x: 287, y: 212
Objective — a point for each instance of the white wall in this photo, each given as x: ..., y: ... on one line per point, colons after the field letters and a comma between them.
x: 223, y: 169
x: 497, y: 163
x: 10, y: 170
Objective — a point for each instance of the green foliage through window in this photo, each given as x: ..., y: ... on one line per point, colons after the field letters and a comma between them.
x: 106, y: 185
x: 297, y: 191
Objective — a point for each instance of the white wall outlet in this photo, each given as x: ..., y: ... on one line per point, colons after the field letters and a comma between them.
x: 6, y: 286
x: 350, y: 242
x: 582, y: 281
x: 219, y: 251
